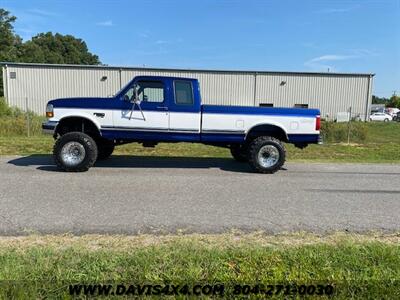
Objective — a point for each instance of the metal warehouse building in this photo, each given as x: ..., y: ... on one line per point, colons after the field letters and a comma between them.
x: 32, y: 85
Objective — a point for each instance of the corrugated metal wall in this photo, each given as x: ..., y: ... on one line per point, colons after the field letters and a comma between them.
x: 329, y: 92
x: 332, y: 94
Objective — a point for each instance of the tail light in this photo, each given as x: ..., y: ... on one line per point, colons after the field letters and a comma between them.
x: 318, y: 123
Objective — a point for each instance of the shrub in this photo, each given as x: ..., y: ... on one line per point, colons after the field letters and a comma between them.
x: 14, y: 121
x: 337, y: 132
x: 5, y: 110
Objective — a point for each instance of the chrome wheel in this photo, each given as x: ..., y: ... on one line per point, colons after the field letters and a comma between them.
x: 268, y: 156
x: 72, y: 154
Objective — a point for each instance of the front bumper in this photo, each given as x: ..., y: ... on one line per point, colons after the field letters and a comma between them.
x: 49, y: 127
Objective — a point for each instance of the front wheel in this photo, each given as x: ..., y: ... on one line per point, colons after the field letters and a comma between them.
x: 386, y: 120
x: 239, y: 153
x: 75, y: 152
x: 266, y: 154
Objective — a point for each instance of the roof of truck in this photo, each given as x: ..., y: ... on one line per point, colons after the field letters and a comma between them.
x: 163, y: 77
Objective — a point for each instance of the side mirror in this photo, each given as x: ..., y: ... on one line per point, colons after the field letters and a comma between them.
x: 135, y: 96
x: 136, y: 91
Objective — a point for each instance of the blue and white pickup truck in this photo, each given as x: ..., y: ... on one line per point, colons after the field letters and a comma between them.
x: 153, y: 109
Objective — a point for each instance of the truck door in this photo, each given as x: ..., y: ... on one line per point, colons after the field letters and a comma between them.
x: 185, y: 115
x: 151, y: 115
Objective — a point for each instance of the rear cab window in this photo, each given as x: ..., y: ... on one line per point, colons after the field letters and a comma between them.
x: 183, y: 92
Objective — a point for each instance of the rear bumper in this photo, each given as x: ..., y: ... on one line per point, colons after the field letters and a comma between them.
x: 49, y: 127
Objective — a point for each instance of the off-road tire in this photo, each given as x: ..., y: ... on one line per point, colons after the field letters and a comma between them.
x: 254, y: 149
x: 83, y: 139
x: 104, y: 149
x: 239, y: 153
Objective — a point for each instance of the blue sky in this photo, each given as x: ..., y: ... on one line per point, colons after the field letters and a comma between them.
x: 342, y: 36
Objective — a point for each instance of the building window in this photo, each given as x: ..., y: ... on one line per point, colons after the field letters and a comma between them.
x: 266, y: 105
x: 183, y: 92
x: 13, y: 75
x: 301, y: 105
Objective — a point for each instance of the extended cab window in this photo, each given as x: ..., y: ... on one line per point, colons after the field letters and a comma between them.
x: 183, y: 92
x: 148, y: 91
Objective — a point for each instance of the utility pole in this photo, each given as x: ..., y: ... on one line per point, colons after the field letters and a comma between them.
x: 349, y: 127
x: 28, y: 123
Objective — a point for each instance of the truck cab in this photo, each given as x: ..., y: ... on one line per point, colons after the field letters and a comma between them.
x: 168, y: 106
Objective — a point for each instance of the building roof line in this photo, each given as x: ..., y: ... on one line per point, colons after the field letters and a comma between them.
x: 256, y: 72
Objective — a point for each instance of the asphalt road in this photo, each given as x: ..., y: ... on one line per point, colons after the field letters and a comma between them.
x: 161, y: 195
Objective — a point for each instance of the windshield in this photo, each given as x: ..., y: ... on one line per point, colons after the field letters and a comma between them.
x: 120, y: 92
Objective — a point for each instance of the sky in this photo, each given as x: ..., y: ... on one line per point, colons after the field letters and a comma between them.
x: 311, y: 35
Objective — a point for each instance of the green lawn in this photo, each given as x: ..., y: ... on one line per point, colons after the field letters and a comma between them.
x: 357, y: 266
x: 382, y: 144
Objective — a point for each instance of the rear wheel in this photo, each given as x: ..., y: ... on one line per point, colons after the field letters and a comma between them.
x: 75, y: 152
x: 239, y: 153
x: 386, y: 120
x: 266, y: 154
x: 105, y: 149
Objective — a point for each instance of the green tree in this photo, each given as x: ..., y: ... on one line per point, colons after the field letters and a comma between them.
x: 57, y: 49
x: 394, y: 101
x: 378, y: 100
x: 9, y: 41
x: 42, y: 48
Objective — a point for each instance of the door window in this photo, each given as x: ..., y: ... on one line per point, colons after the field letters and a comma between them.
x: 148, y: 91
x: 183, y: 92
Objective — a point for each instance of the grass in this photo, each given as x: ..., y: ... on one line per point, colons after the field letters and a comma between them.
x: 377, y: 149
x: 358, y: 266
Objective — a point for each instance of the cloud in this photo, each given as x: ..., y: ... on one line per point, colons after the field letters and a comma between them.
x: 25, y: 33
x: 162, y: 42
x: 321, y: 63
x: 41, y: 12
x: 335, y: 10
x: 324, y: 62
x: 331, y: 57
x: 105, y: 23
x: 365, y: 52
x: 165, y: 42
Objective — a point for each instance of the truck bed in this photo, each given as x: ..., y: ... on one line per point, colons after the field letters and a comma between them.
x: 233, y: 122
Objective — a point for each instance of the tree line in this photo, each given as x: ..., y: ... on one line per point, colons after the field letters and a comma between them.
x: 393, y: 101
x: 42, y: 48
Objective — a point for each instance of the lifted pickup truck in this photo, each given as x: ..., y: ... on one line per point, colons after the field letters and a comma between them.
x: 152, y: 109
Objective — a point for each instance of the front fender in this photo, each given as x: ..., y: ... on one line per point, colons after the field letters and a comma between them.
x: 83, y: 115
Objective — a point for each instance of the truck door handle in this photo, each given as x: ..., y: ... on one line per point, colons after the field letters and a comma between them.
x: 162, y: 107
x: 100, y: 115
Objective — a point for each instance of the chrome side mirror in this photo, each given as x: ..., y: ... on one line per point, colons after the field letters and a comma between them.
x: 135, y: 96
